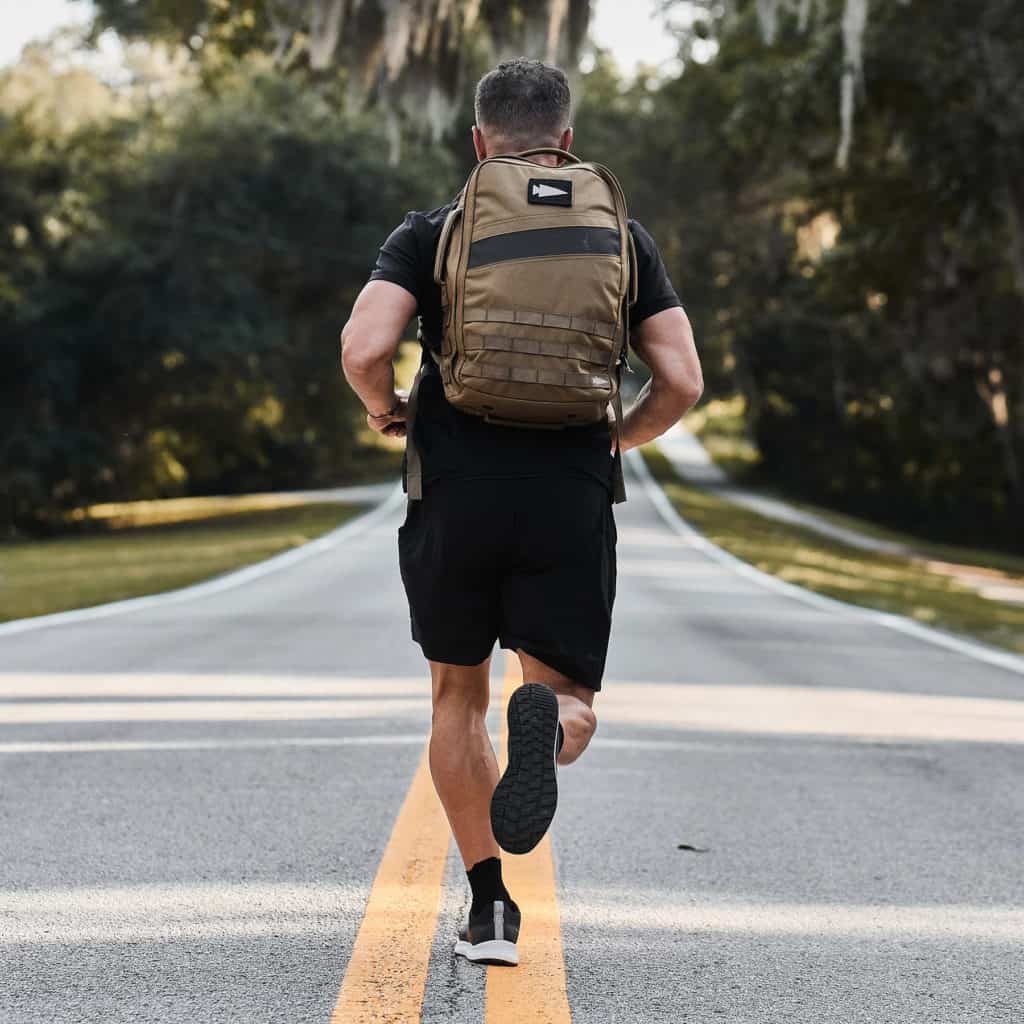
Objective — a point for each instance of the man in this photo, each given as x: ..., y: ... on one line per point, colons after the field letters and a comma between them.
x: 514, y: 538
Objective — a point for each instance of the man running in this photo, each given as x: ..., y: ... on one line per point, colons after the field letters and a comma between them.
x: 514, y: 538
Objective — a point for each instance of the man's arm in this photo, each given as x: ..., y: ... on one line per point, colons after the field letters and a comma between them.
x: 665, y: 343
x: 369, y: 342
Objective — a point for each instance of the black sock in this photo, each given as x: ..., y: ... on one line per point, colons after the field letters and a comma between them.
x: 561, y: 740
x: 485, y: 881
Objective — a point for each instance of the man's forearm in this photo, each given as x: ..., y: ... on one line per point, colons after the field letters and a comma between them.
x: 373, y: 382
x: 656, y: 409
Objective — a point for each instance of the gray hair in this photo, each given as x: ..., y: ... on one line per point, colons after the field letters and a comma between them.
x: 524, y: 102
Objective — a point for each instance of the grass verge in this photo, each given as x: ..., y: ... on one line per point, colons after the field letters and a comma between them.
x: 721, y: 426
x: 956, y: 554
x: 886, y: 582
x: 39, y: 577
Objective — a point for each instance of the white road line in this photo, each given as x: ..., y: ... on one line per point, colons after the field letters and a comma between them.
x: 979, y: 652
x: 857, y: 746
x: 168, y: 912
x: 128, y: 746
x: 647, y: 911
x: 814, y: 711
x: 52, y: 712
x: 150, y: 685
x: 218, y: 584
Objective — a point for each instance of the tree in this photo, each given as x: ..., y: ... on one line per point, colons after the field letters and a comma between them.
x: 870, y: 315
x: 412, y: 59
x: 182, y: 336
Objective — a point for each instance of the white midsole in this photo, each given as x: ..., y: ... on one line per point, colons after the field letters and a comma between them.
x: 493, y: 949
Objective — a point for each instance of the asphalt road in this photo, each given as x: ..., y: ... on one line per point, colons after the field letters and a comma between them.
x: 195, y: 797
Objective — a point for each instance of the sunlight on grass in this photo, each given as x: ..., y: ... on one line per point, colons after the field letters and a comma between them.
x: 948, y: 556
x: 721, y: 425
x: 38, y: 577
x: 121, y: 514
x: 728, y: 415
x: 407, y: 363
x: 888, y: 583
x: 727, y: 450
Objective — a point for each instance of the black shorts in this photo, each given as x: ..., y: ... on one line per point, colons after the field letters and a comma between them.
x: 529, y: 562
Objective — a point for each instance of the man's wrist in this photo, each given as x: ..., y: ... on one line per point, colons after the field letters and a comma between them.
x: 384, y: 415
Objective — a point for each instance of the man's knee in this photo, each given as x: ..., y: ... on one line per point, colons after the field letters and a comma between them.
x: 460, y: 689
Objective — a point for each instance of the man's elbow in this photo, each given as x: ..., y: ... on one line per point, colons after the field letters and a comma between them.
x: 686, y: 389
x: 691, y: 389
x: 357, y: 356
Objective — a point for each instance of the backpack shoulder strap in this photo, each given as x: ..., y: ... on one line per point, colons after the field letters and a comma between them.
x: 454, y: 216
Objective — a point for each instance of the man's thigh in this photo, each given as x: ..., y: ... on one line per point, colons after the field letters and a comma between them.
x: 449, y: 552
x: 557, y: 596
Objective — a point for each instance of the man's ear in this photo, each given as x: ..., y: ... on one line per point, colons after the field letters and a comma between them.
x: 478, y: 144
x: 566, y: 141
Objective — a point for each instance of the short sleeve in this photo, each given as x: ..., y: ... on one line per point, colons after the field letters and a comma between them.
x: 654, y: 289
x: 399, y: 260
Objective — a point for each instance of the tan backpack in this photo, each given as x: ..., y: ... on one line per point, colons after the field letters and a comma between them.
x: 537, y: 269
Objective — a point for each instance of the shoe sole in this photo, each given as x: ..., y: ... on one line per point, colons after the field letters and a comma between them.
x: 525, y: 799
x: 500, y: 952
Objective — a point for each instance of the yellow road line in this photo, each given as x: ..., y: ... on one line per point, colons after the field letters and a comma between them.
x: 387, y: 972
x: 535, y: 990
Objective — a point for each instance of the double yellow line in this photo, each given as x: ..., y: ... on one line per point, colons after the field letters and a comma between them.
x: 387, y: 972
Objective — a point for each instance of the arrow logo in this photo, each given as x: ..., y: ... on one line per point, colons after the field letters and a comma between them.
x: 549, y: 192
x: 544, y: 191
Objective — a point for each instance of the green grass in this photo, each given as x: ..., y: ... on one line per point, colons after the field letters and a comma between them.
x: 721, y: 426
x: 952, y: 553
x: 38, y: 577
x: 885, y: 582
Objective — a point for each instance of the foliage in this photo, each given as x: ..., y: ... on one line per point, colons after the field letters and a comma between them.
x: 412, y: 62
x: 177, y: 254
x: 173, y: 285
x: 871, y: 318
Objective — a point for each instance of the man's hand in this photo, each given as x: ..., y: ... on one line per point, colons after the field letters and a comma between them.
x: 392, y: 424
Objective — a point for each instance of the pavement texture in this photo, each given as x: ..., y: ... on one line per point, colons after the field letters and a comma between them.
x: 789, y: 813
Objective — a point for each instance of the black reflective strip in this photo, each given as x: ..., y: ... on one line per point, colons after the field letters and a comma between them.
x: 521, y: 245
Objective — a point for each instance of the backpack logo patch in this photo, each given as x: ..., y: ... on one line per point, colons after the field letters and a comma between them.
x: 547, y: 192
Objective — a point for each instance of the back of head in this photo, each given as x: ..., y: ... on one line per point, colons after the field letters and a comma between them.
x: 521, y: 104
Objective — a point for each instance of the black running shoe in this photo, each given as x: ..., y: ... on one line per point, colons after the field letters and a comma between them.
x: 524, y: 800
x: 490, y: 937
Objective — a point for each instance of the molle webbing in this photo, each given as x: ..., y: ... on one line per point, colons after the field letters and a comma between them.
x: 529, y: 375
x: 532, y: 347
x: 585, y: 325
x: 543, y: 242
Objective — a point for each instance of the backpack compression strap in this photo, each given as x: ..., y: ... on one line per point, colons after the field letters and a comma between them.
x: 413, y: 462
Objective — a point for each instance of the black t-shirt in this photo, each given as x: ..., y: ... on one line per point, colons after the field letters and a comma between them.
x: 457, y: 445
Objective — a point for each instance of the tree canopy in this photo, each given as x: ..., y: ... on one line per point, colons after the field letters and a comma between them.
x: 838, y: 193
x: 869, y: 314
